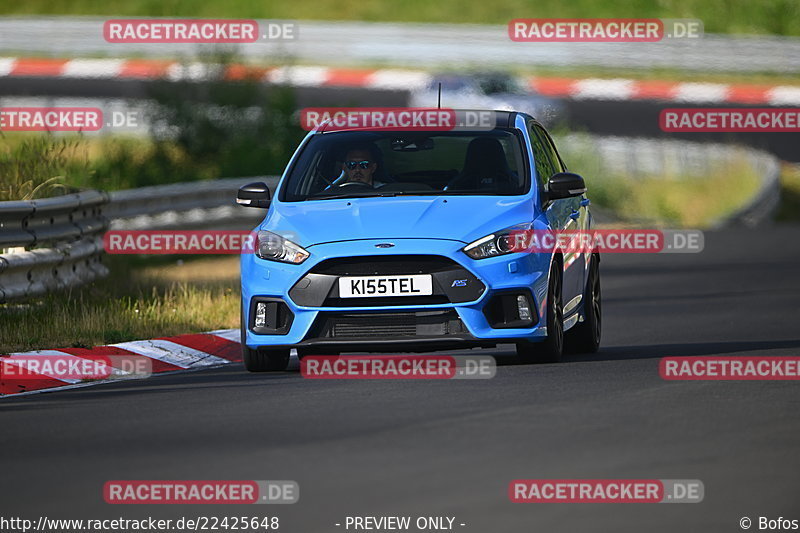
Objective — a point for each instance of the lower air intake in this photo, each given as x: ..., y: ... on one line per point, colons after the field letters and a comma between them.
x: 391, y: 325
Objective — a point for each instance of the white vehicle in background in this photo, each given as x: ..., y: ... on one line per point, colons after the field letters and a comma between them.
x: 488, y: 90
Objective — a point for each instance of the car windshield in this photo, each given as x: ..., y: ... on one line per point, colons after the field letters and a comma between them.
x: 360, y: 164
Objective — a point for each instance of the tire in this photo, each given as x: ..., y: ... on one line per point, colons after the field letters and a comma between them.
x: 264, y: 359
x: 585, y: 336
x: 551, y: 349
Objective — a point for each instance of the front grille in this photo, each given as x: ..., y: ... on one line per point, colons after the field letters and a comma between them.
x: 384, y: 265
x: 389, y: 325
x: 452, y: 283
x: 379, y: 326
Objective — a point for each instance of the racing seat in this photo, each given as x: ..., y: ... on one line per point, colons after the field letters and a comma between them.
x: 485, y: 168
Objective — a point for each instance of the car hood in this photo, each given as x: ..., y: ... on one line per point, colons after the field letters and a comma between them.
x: 458, y: 218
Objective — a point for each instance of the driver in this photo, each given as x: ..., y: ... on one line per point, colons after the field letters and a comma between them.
x: 360, y: 164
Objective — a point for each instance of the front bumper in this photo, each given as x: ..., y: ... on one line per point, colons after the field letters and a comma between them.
x: 457, y: 315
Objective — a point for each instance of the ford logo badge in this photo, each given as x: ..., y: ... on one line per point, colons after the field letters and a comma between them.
x: 385, y: 245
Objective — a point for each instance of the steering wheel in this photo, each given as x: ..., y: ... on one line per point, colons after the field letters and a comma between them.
x: 355, y: 183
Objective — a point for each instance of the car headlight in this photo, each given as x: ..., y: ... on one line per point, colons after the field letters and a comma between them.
x: 273, y: 247
x: 498, y: 243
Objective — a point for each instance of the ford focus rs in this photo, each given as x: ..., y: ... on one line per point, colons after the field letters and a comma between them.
x: 392, y: 241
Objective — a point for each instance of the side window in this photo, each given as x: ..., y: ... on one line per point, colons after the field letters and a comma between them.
x: 544, y: 156
x: 561, y: 167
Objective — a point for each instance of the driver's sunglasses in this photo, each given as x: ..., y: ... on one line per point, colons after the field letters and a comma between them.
x: 353, y: 164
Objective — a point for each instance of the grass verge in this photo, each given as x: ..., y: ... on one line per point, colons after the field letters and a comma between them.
x: 141, y: 299
x: 789, y: 210
x: 39, y: 166
x: 692, y: 199
x: 686, y: 201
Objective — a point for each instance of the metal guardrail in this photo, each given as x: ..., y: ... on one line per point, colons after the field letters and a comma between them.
x: 185, y: 206
x: 669, y: 159
x: 763, y: 206
x: 39, y: 271
x: 64, y: 237
x: 54, y: 243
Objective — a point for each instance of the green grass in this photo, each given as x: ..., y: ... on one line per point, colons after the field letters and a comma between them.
x: 39, y: 166
x: 778, y: 17
x: 744, y: 78
x: 35, y: 165
x: 689, y: 201
x: 142, y: 299
x: 789, y: 210
x: 250, y: 133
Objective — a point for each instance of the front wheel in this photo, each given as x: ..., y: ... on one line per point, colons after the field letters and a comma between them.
x: 551, y: 349
x: 265, y: 360
x: 584, y: 337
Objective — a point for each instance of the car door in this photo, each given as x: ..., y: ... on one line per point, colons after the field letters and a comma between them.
x: 564, y: 215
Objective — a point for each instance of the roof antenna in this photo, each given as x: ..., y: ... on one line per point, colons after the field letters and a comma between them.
x: 439, y: 105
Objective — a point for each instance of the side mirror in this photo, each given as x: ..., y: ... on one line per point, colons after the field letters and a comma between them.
x: 254, y: 195
x: 565, y: 185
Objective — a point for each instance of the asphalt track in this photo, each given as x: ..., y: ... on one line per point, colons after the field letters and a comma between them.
x: 451, y: 447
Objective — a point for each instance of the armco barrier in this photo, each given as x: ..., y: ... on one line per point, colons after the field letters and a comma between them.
x: 55, y: 243
x: 63, y: 237
x: 38, y: 271
x: 763, y: 206
x: 194, y: 205
x: 637, y: 157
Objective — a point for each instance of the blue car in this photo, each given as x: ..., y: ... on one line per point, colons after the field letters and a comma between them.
x: 395, y: 241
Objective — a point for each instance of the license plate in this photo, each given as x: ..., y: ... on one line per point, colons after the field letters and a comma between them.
x: 372, y: 286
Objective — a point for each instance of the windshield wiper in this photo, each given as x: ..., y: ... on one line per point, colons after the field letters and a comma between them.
x: 430, y: 193
x: 402, y: 193
x: 340, y: 196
